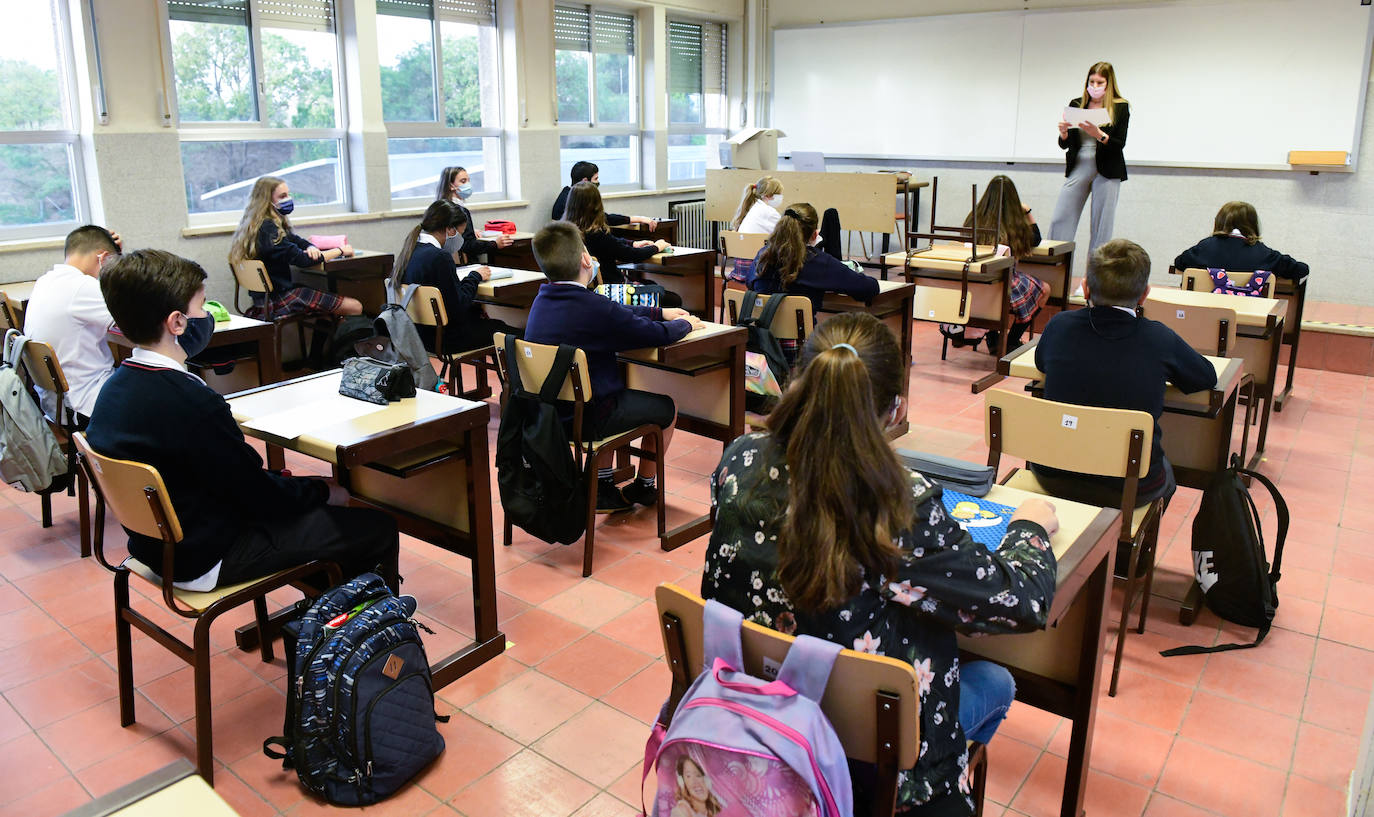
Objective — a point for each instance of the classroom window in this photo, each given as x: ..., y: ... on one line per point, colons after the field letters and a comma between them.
x: 697, y: 115
x: 257, y: 93
x: 441, y: 94
x: 597, y: 86
x: 41, y: 190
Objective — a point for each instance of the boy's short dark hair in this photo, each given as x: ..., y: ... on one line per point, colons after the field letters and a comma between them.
x: 558, y: 250
x: 583, y: 171
x: 1118, y: 273
x: 145, y: 286
x: 89, y: 238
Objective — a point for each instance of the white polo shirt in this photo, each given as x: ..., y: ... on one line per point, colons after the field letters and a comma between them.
x: 67, y: 311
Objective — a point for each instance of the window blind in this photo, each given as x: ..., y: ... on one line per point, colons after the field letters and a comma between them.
x: 613, y: 33
x: 419, y: 9
x: 308, y: 15
x: 580, y: 28
x: 476, y: 12
x: 684, y: 58
x: 713, y: 54
x: 572, y: 28
x: 209, y: 11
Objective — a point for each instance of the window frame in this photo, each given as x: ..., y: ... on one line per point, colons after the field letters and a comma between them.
x: 703, y: 129
x: 70, y: 136
x: 439, y: 130
x: 635, y: 128
x: 257, y: 130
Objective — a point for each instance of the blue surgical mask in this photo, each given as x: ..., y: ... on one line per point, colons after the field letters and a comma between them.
x: 285, y: 206
x: 596, y: 274
x: 197, y: 335
x: 464, y: 190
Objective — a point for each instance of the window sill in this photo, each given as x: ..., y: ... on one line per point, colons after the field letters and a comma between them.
x: 28, y: 244
x: 630, y: 194
x: 341, y: 218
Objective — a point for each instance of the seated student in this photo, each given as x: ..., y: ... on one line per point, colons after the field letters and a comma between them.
x: 567, y: 311
x: 67, y: 312
x: 264, y: 234
x: 1018, y: 234
x: 821, y: 531
x: 239, y: 522
x: 1108, y: 356
x: 586, y: 213
x: 1235, y: 246
x: 455, y: 185
x: 791, y: 263
x: 588, y: 172
x: 423, y: 260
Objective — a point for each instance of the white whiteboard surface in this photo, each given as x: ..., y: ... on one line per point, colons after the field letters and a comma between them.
x: 1235, y: 83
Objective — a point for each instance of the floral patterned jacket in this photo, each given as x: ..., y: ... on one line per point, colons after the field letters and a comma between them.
x: 946, y: 583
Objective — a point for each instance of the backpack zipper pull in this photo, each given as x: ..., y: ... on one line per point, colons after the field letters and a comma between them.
x: 421, y: 625
x: 369, y: 768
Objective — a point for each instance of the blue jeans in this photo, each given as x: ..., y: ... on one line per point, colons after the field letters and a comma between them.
x: 986, y: 691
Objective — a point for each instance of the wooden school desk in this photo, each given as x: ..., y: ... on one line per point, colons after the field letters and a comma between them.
x: 1196, y: 427
x: 1051, y: 262
x: 362, y: 276
x: 704, y: 374
x: 1059, y: 669
x: 237, y: 329
x: 175, y: 790
x: 986, y: 284
x: 892, y: 305
x: 689, y: 272
x: 424, y: 460
x: 508, y: 299
x: 665, y: 231
x: 519, y: 255
x: 18, y: 294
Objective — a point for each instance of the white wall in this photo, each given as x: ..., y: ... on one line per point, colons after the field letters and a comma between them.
x: 136, y: 165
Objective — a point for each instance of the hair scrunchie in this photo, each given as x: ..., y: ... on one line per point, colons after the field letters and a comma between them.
x: 846, y: 346
x: 793, y: 213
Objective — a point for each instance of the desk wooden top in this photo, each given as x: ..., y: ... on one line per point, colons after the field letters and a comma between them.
x: 888, y: 292
x: 1021, y: 363
x: 710, y: 337
x: 678, y: 252
x: 952, y: 259
x: 1051, y: 249
x: 518, y: 235
x: 318, y: 396
x: 1249, y: 311
x: 493, y: 288
x: 190, y: 795
x: 18, y: 291
x: 238, y: 322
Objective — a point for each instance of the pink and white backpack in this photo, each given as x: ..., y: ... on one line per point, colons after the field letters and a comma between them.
x: 741, y: 746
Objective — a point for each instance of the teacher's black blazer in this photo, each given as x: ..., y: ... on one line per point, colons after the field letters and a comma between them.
x: 1111, y: 163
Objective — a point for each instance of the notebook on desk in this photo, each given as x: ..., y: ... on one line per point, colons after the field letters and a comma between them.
x: 496, y: 274
x: 985, y: 521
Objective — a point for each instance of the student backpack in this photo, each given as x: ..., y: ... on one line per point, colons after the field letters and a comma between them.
x: 360, y: 702
x: 761, y: 341
x: 395, y: 323
x: 757, y: 748
x: 1229, y: 561
x: 30, y: 458
x: 542, y: 489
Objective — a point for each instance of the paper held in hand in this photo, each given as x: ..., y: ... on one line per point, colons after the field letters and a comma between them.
x: 1076, y: 116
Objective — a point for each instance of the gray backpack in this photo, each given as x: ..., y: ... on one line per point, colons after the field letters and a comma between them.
x: 30, y: 458
x: 395, y: 323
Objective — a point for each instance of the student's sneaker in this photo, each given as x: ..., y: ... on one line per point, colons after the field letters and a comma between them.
x: 640, y: 492
x: 609, y: 499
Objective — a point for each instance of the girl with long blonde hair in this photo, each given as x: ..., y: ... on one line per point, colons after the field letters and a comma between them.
x: 1094, y: 160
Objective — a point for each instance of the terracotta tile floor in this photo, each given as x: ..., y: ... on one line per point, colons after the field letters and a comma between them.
x: 556, y: 725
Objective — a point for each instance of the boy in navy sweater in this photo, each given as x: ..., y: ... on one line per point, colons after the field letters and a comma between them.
x: 1108, y: 356
x: 566, y: 311
x: 239, y: 522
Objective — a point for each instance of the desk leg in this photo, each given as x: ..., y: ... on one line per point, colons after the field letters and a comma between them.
x: 1267, y: 394
x: 1191, y: 605
x: 269, y: 364
x: 1288, y: 379
x: 1096, y: 594
x: 708, y: 283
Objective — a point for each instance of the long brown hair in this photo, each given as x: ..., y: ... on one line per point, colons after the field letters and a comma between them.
x: 440, y: 215
x: 584, y: 209
x: 446, y: 176
x: 785, y: 252
x: 244, y: 244
x: 1113, y: 95
x: 1015, y: 227
x: 1238, y: 215
x: 765, y: 187
x: 712, y: 804
x: 848, y: 497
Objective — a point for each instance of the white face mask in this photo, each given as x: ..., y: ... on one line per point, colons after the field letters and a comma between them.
x: 774, y: 201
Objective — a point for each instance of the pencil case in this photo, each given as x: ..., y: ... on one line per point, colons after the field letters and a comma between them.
x: 365, y: 378
x: 959, y: 475
x: 507, y: 227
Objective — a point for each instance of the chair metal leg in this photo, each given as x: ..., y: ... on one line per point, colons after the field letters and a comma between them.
x: 45, y: 502
x: 124, y: 657
x: 590, y: 538
x: 205, y: 743
x: 83, y: 504
x: 505, y: 537
x: 1125, y: 617
x: 662, y: 478
x: 1148, y: 559
x: 264, y: 629
x: 978, y: 776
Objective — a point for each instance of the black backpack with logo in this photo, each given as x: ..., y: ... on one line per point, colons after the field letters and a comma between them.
x: 542, y: 489
x: 1229, y: 560
x: 761, y: 341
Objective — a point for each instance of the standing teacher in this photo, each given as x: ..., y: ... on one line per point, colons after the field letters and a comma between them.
x: 1094, y: 160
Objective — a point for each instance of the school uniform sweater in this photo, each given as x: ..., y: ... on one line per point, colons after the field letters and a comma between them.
x: 561, y: 203
x: 430, y: 265
x: 172, y: 421
x: 1231, y: 253
x: 279, y: 256
x: 1104, y: 357
x: 572, y: 314
x: 820, y: 273
x: 610, y: 249
x: 1111, y: 162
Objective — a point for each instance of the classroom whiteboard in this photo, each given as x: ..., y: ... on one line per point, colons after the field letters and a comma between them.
x: 1233, y: 83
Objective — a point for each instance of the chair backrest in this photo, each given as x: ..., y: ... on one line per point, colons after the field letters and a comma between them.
x: 1083, y: 439
x: 536, y: 359
x: 252, y: 276
x: 792, y: 321
x: 8, y: 320
x: 937, y: 303
x: 741, y: 245
x: 1201, y: 281
x: 43, y: 368
x: 849, y: 700
x: 134, y: 492
x: 426, y: 308
x: 1210, y: 330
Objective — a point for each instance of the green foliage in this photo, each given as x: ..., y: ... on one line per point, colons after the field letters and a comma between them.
x: 299, y: 95
x: 35, y: 181
x: 408, y: 86
x: 31, y: 100
x: 214, y: 72
x: 570, y: 71
x: 462, y: 83
x: 613, y: 84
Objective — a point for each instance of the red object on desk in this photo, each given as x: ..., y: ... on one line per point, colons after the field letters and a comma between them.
x: 507, y: 227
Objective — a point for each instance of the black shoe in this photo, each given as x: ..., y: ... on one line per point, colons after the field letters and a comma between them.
x: 639, y: 493
x: 609, y: 499
x: 992, y: 338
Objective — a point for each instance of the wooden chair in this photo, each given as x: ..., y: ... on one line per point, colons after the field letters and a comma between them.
x: 139, y: 499
x: 45, y: 372
x: 872, y: 700
x: 1201, y: 281
x: 942, y: 305
x: 8, y: 320
x: 535, y: 361
x: 251, y: 276
x: 735, y: 246
x: 792, y: 322
x: 426, y: 308
x: 1084, y: 440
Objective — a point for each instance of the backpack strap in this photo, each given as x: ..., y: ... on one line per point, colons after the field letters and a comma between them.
x: 14, y: 347
x: 746, y: 308
x: 1281, y: 510
x: 408, y: 292
x: 770, y: 309
x: 720, y: 636
x: 807, y: 666
x: 513, y: 367
x: 558, y: 372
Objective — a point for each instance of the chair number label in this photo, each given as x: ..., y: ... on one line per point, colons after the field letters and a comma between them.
x: 771, y: 668
x: 932, y: 313
x: 1069, y: 421
x: 1181, y: 314
x: 529, y: 351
